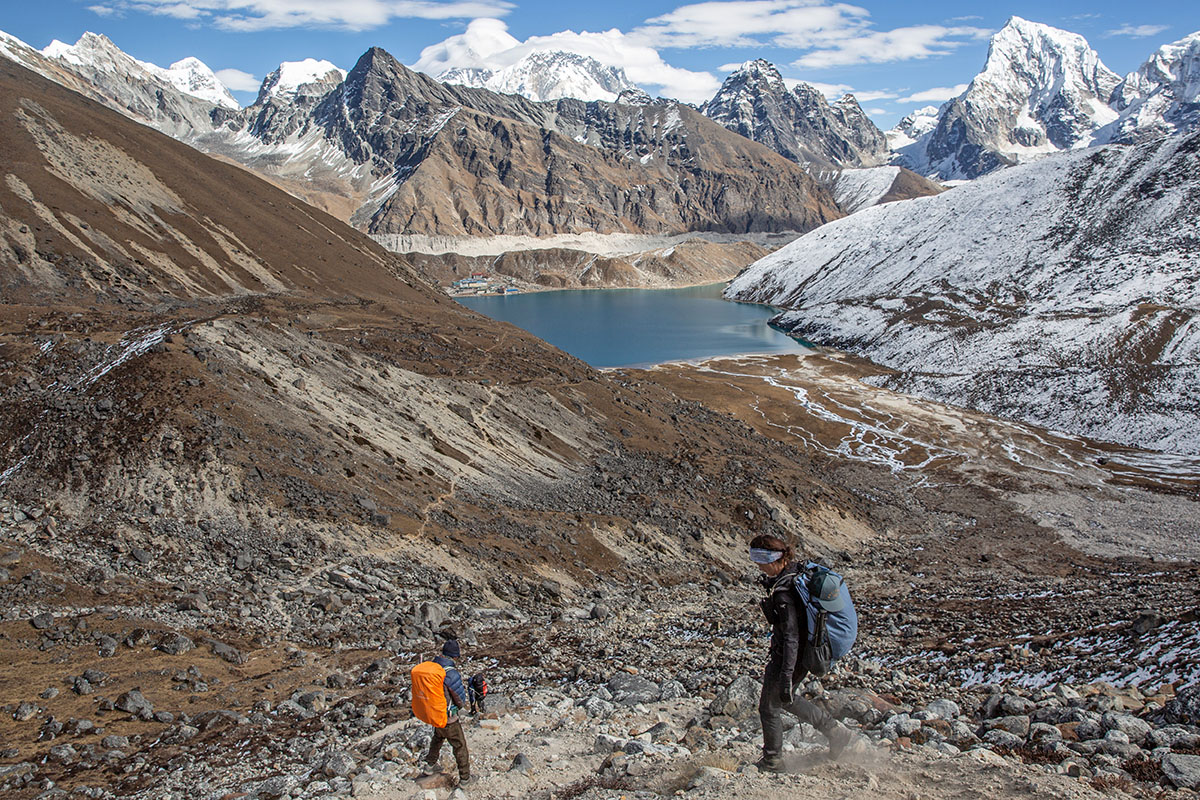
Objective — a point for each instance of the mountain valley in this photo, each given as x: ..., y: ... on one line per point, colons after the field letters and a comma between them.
x: 255, y: 464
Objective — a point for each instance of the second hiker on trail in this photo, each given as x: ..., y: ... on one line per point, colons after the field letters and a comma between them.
x: 789, y: 620
x: 437, y: 696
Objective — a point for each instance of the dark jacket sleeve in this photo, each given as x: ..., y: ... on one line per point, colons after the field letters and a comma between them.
x: 454, y: 686
x: 790, y: 628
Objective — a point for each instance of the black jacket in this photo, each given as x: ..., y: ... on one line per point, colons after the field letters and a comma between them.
x: 789, y: 622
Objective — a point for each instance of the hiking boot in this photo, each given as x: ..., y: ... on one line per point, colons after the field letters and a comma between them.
x: 769, y: 763
x: 840, y: 738
x: 464, y: 781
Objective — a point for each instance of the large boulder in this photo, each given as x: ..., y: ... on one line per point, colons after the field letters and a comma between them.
x: 1182, y: 770
x: 629, y: 690
x: 1184, y: 707
x: 739, y: 699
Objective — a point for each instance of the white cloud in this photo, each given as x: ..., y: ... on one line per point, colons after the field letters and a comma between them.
x: 938, y: 94
x: 742, y: 23
x: 103, y: 11
x: 238, y: 81
x: 870, y: 96
x: 356, y: 15
x: 486, y: 43
x: 900, y: 44
x: 832, y: 33
x: 1137, y: 31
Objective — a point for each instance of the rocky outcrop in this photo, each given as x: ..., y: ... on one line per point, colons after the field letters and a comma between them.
x: 799, y: 123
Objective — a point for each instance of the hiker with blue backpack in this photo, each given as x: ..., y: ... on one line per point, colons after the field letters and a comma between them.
x: 812, y: 624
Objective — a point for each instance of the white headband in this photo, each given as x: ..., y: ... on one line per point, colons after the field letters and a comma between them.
x: 762, y: 556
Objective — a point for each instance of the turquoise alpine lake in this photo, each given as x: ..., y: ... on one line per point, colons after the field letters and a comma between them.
x: 638, y: 327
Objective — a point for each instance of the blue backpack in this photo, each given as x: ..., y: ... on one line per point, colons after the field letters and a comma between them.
x: 832, y: 621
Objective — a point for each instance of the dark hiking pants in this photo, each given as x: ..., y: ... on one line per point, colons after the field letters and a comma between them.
x: 452, y: 733
x: 770, y: 707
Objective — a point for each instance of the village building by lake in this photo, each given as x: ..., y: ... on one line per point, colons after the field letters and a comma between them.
x: 481, y: 283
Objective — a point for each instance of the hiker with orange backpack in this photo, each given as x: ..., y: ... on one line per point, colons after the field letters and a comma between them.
x: 437, y: 696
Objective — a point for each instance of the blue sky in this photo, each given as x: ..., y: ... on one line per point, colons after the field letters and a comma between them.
x: 894, y: 56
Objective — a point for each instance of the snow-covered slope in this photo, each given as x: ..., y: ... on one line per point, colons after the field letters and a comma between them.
x: 548, y: 75
x: 856, y: 189
x: 1041, y: 90
x: 1065, y: 292
x: 1163, y: 96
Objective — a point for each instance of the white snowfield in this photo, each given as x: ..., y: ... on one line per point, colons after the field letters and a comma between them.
x: 1065, y: 292
x: 856, y: 189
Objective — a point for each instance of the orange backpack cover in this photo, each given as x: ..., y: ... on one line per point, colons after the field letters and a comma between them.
x: 429, y: 694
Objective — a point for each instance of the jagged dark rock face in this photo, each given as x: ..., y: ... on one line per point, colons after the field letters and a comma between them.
x: 956, y: 140
x: 798, y: 124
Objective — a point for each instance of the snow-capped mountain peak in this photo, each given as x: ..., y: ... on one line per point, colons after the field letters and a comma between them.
x: 1041, y: 90
x: 547, y: 75
x: 95, y: 51
x: 799, y: 124
x: 913, y: 127
x: 289, y: 77
x: 1050, y: 66
x: 1162, y: 96
x: 192, y: 76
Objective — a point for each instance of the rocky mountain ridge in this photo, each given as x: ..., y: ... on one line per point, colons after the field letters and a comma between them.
x: 798, y: 123
x: 387, y: 145
x: 1061, y: 292
x: 1162, y: 96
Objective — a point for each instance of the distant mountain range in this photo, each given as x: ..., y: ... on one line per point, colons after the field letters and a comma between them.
x: 1044, y: 90
x: 548, y: 75
x: 402, y: 155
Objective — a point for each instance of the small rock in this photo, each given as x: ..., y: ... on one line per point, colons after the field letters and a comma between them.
x: 944, y: 709
x: 141, y: 555
x: 338, y: 764
x: 42, y: 621
x: 629, y: 690
x: 521, y: 764
x: 25, y: 711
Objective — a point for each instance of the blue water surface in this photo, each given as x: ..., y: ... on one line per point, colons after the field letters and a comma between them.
x: 636, y: 327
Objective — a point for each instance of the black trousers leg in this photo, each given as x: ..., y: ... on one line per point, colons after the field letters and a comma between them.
x: 770, y: 709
